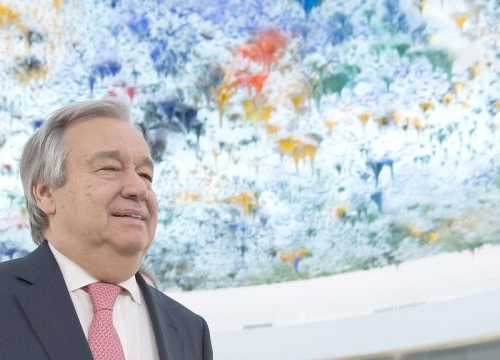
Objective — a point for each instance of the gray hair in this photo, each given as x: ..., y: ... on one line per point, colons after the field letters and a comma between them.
x: 44, y: 155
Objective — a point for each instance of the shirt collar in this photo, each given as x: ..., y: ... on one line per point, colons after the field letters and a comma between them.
x: 76, y: 277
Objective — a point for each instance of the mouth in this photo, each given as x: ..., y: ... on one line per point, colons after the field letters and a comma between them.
x: 131, y: 216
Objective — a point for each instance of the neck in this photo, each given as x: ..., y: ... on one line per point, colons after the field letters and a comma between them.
x: 113, y: 271
x: 104, y: 264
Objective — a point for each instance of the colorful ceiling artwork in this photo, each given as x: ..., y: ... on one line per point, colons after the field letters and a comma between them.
x: 292, y: 138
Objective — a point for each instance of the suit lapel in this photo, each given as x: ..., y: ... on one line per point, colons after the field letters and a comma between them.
x: 168, y: 339
x: 49, y: 309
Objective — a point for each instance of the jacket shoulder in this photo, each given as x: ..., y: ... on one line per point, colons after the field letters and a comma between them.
x: 9, y: 267
x: 174, y: 305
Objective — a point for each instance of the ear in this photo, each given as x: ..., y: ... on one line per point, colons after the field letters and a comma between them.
x: 44, y: 198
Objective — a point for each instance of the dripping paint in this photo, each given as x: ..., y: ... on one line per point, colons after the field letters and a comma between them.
x: 292, y: 138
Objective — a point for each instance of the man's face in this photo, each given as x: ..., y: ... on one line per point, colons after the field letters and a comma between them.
x: 106, y: 206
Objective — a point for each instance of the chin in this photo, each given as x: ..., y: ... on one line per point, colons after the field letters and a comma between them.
x: 131, y: 246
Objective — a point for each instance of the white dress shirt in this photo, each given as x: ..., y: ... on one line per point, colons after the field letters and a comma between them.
x: 130, y: 314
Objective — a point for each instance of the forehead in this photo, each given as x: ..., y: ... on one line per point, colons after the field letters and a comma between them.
x: 88, y: 136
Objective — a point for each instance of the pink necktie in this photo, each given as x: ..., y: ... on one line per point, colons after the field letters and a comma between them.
x: 103, y: 338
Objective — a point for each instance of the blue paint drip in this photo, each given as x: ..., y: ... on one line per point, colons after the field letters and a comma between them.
x: 165, y: 60
x: 106, y: 68
x: 308, y: 5
x: 378, y: 165
x: 395, y: 18
x: 340, y: 28
x: 296, y: 261
x: 216, y: 78
x: 157, y: 51
x: 37, y: 123
x: 377, y: 199
x: 139, y: 25
x: 92, y: 80
x: 115, y: 30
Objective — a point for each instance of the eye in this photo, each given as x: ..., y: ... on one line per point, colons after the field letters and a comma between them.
x: 146, y: 176
x: 110, y: 168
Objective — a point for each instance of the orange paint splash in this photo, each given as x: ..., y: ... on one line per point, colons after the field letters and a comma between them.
x: 255, y: 81
x: 265, y: 48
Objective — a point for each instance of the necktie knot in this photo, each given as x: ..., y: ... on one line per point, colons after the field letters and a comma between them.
x: 103, y: 295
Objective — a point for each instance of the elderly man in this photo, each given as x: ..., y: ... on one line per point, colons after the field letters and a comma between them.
x: 87, y: 175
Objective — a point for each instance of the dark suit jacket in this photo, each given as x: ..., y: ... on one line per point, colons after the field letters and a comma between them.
x: 38, y: 320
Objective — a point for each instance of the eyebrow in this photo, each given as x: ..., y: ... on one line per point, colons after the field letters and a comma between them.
x: 116, y: 155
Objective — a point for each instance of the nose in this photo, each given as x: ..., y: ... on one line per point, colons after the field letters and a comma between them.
x: 134, y: 186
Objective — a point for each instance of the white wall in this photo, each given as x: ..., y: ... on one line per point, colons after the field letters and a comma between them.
x: 434, y: 300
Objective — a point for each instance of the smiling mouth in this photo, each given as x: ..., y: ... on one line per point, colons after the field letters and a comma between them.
x: 132, y: 216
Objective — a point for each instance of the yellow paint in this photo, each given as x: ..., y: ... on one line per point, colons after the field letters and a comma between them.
x: 416, y: 122
x: 423, y: 5
x: 272, y: 129
x: 365, y: 116
x: 458, y: 87
x: 310, y: 151
x: 398, y: 117
x: 340, y: 211
x: 290, y: 256
x: 297, y: 154
x: 415, y: 231
x: 432, y: 237
x: 187, y: 196
x: 383, y: 121
x: 255, y: 111
x: 298, y: 101
x: 287, y: 144
x: 56, y: 4
x: 246, y: 199
x: 475, y: 70
x: 250, y: 109
x: 448, y: 98
x: 427, y: 105
x: 8, y: 16
x: 298, y: 148
x: 330, y: 124
x: 460, y: 19
x: 27, y: 76
x: 224, y: 93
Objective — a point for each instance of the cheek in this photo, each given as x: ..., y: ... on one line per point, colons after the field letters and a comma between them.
x: 153, y: 207
x: 93, y: 200
x: 88, y: 189
x: 91, y: 186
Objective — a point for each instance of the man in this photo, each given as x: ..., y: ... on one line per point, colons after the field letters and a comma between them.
x: 87, y: 175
